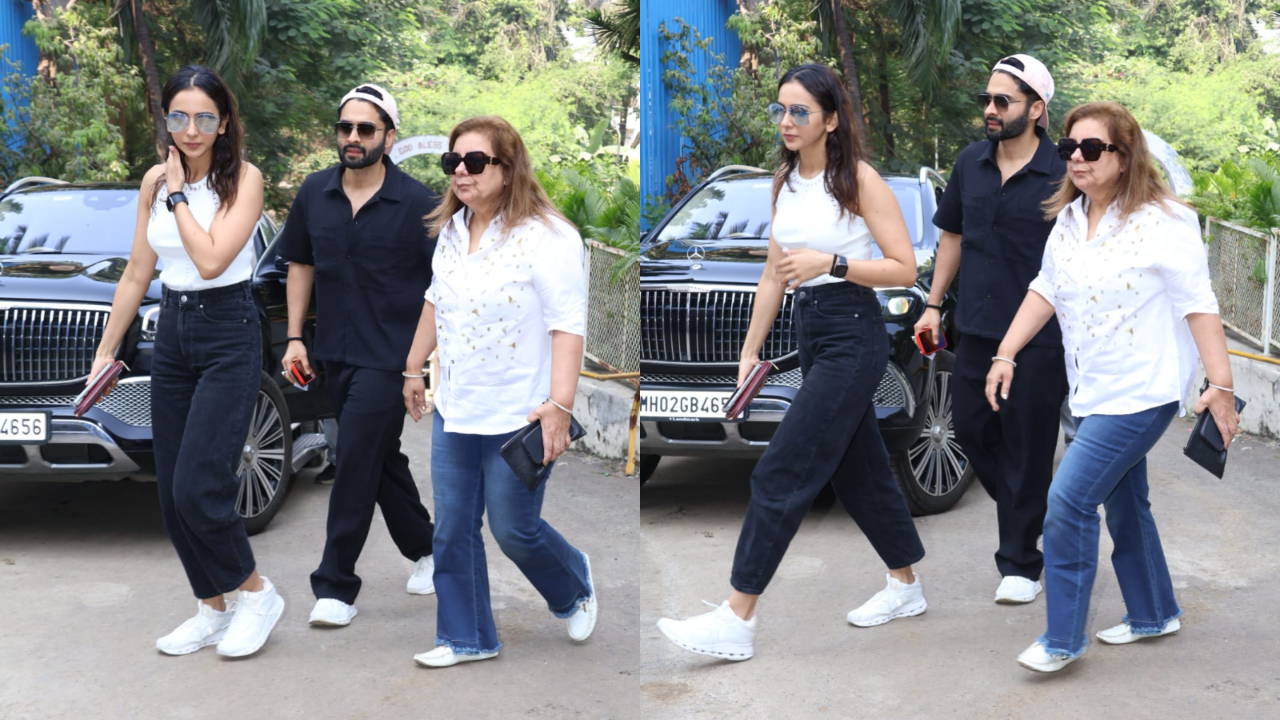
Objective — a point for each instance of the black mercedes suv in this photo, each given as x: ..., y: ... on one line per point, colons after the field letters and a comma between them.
x: 63, y: 248
x: 697, y: 283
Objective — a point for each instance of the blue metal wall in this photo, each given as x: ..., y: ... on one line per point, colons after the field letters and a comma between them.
x: 660, y: 145
x: 13, y: 15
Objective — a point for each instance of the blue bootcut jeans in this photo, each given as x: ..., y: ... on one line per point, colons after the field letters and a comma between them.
x: 1105, y: 465
x: 468, y: 476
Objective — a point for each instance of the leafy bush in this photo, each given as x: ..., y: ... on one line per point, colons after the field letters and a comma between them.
x: 1247, y: 194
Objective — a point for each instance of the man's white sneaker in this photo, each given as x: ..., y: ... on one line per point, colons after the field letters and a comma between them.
x: 444, y: 656
x: 254, y: 618
x: 1015, y: 590
x: 719, y: 633
x: 896, y: 600
x: 582, y: 622
x: 422, y: 581
x: 205, y: 628
x: 332, y: 613
x: 1038, y: 658
x: 1122, y: 634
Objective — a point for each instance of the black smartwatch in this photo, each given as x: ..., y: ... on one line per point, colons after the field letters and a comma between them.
x: 839, y: 266
x: 172, y: 201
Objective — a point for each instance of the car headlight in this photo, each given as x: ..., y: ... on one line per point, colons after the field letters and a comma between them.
x: 150, y: 323
x: 899, y: 305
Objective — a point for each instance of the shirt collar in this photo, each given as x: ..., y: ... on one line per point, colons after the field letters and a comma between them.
x: 1041, y: 162
x: 463, y: 216
x: 391, y: 183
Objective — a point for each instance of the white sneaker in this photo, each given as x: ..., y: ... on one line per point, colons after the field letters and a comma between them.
x: 1122, y: 634
x: 1038, y: 658
x: 254, y: 618
x: 444, y: 656
x: 1015, y: 590
x: 719, y: 633
x: 207, y: 627
x: 896, y: 600
x: 582, y: 622
x: 332, y: 613
x: 422, y: 581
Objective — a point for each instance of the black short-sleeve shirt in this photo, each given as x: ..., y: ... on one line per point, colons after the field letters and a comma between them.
x: 371, y: 270
x: 1002, y: 231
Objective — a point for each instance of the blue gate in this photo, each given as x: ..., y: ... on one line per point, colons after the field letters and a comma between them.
x: 660, y: 145
x: 13, y: 15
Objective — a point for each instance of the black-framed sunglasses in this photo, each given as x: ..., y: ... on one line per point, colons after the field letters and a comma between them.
x: 366, y: 130
x: 799, y: 113
x: 177, y: 122
x: 1002, y: 101
x: 1090, y: 148
x: 474, y: 160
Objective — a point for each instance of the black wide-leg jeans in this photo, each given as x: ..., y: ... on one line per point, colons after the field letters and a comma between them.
x: 828, y: 435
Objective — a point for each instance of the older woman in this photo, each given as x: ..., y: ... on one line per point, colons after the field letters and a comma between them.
x: 507, y: 308
x: 1126, y: 274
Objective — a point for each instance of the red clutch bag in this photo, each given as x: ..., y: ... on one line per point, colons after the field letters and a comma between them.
x: 99, y: 385
x: 748, y: 390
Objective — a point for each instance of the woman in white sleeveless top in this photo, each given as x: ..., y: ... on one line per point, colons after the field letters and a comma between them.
x: 196, y: 212
x: 829, y: 207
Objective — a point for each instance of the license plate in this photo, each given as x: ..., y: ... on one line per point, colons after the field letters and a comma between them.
x: 683, y: 404
x: 24, y: 428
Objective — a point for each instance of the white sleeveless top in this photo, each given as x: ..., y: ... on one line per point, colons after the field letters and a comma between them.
x: 177, y: 270
x: 808, y: 217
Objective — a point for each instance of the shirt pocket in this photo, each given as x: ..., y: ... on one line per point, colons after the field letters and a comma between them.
x: 384, y: 262
x: 1023, y: 234
x: 977, y: 221
x: 326, y: 248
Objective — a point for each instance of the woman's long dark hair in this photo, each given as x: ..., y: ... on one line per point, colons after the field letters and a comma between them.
x: 224, y: 171
x: 844, y: 145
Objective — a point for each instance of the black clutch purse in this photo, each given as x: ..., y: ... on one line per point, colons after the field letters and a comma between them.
x: 1205, y: 445
x: 524, y: 452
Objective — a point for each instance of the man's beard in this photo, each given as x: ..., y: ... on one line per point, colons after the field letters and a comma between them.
x: 362, y: 161
x: 1011, y: 129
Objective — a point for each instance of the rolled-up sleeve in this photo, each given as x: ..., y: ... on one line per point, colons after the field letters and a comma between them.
x: 1184, y: 265
x: 560, y: 281
x: 294, y: 244
x: 1043, y: 283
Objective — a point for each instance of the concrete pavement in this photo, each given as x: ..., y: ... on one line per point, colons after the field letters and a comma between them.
x: 88, y: 581
x: 1222, y: 539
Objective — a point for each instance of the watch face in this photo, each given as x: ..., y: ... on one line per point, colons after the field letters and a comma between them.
x: 840, y: 269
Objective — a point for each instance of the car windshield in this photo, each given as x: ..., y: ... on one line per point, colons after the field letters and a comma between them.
x: 738, y: 208
x: 68, y: 222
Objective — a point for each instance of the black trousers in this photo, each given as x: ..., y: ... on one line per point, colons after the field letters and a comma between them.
x: 1012, y: 450
x: 371, y: 469
x: 828, y: 435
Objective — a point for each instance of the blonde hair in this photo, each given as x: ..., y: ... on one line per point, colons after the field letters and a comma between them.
x: 1139, y: 183
x: 523, y: 197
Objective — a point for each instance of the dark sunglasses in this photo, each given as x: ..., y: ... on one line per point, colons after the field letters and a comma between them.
x: 799, y: 113
x: 1002, y: 101
x: 474, y: 160
x: 366, y: 130
x: 1090, y: 148
x: 177, y: 122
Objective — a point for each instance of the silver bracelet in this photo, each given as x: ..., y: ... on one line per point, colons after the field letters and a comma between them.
x: 1223, y: 389
x: 553, y: 402
x: 409, y: 375
x: 1002, y: 359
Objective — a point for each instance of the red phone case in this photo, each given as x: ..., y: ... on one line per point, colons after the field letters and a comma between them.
x: 747, y: 392
x: 91, y: 396
x: 932, y: 348
x: 299, y: 376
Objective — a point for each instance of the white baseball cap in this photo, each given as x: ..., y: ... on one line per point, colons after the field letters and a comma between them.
x: 1033, y: 73
x: 375, y: 94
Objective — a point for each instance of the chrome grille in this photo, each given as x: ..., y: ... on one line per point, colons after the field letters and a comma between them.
x: 48, y: 344
x: 891, y: 392
x: 129, y: 401
x: 707, y: 326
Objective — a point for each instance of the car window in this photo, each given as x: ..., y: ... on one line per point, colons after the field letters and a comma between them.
x: 71, y: 222
x: 726, y: 209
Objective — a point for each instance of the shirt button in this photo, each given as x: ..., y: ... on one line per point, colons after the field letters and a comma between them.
x: 988, y: 295
x: 992, y: 261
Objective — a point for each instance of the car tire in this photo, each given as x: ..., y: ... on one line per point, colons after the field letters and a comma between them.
x: 648, y: 463
x: 934, y: 472
x: 266, y: 465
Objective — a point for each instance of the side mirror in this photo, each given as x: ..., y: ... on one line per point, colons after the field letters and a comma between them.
x: 281, y: 264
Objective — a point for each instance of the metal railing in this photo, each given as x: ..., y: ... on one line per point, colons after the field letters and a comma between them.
x: 1243, y: 268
